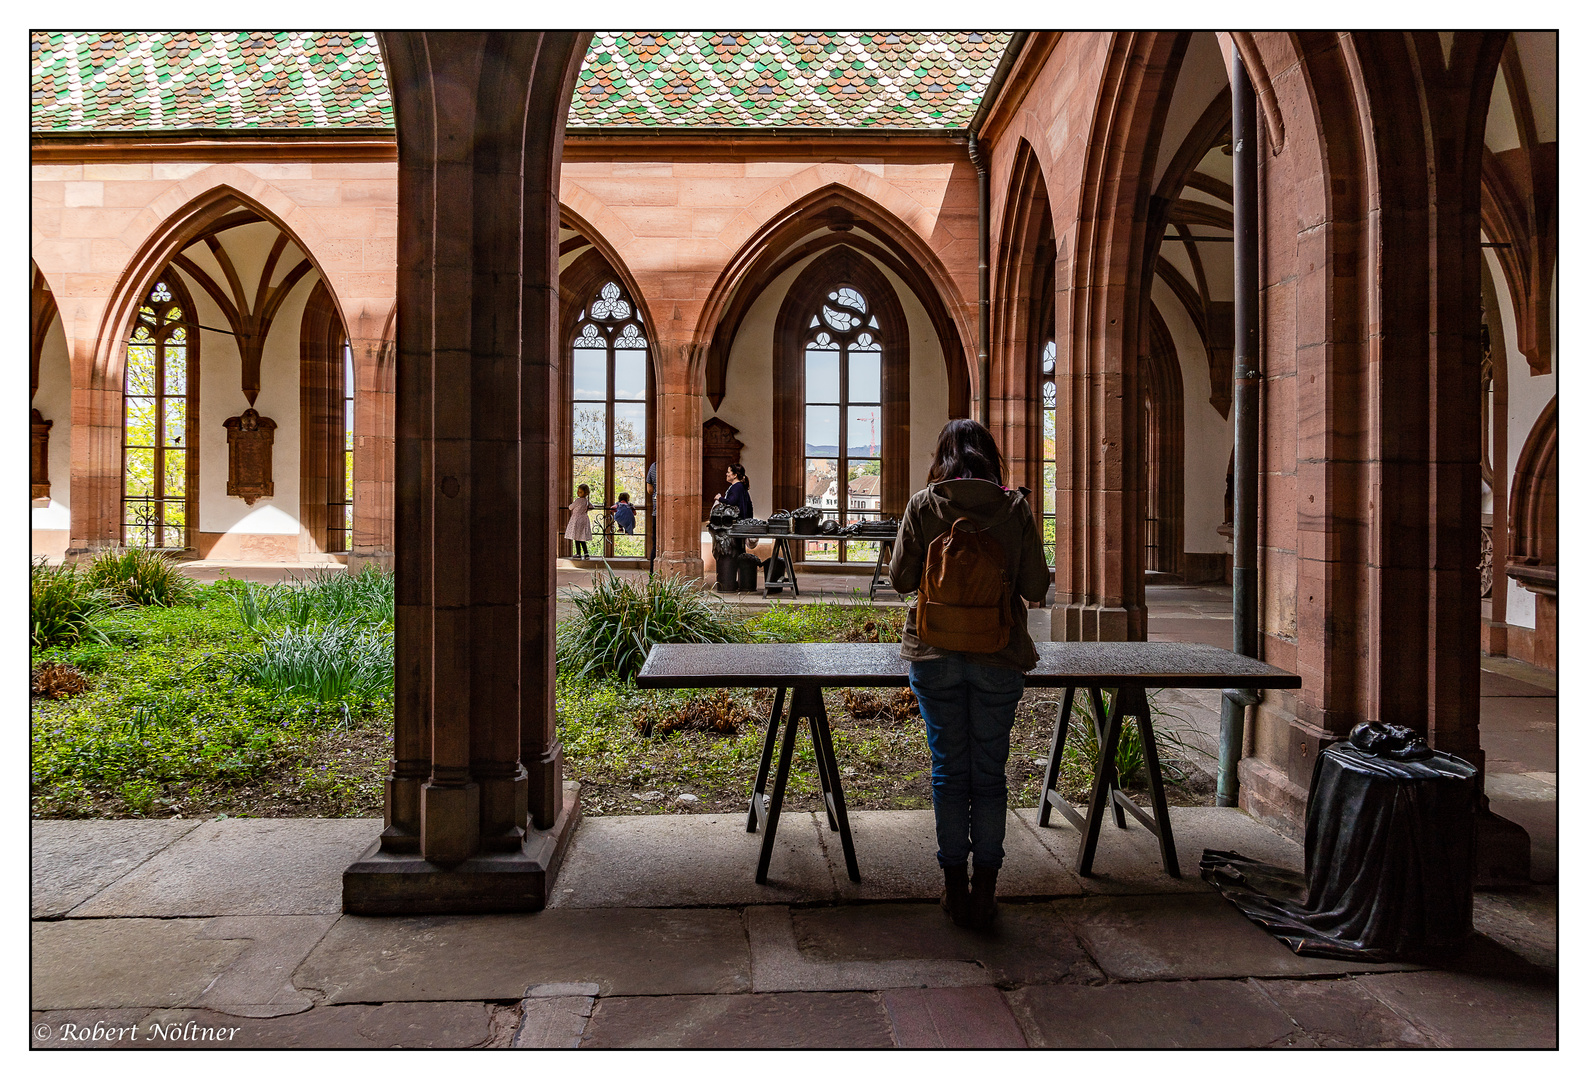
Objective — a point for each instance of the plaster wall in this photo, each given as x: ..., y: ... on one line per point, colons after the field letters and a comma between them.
x: 1209, y: 437
x: 747, y: 394
x: 747, y: 397
x: 52, y: 524
x: 227, y: 526
x: 1527, y: 394
x: 1202, y: 76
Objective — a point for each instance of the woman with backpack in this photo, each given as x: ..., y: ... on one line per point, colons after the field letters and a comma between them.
x: 970, y: 548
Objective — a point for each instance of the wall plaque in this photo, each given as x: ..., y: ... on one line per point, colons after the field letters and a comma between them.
x: 250, y: 441
x: 719, y: 448
x: 40, y: 457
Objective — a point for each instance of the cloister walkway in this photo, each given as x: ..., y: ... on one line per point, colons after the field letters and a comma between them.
x: 657, y: 936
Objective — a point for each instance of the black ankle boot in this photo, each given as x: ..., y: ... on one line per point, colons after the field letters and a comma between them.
x: 956, y: 894
x: 983, y: 905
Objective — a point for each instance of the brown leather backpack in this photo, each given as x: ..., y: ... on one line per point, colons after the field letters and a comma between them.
x: 963, y: 604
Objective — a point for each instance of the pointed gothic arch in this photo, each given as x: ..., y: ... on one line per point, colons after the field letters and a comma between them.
x: 862, y: 224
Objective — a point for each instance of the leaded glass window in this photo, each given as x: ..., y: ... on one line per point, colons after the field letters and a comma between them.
x: 843, y: 420
x: 611, y: 396
x: 159, y: 425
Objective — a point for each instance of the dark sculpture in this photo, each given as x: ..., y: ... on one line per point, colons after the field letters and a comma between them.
x: 1389, y: 855
x: 1391, y: 741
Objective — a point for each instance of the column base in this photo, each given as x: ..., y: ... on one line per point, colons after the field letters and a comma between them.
x: 689, y: 567
x: 395, y: 883
x: 1273, y: 798
x: 1502, y: 852
x: 1094, y: 622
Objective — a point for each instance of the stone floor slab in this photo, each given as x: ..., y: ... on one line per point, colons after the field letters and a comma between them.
x: 242, y: 866
x: 400, y: 1025
x: 497, y: 957
x: 1473, y: 1011
x: 1187, y: 937
x: 690, y: 861
x: 778, y: 964
x: 259, y: 983
x: 1028, y: 943
x: 123, y: 963
x: 743, y: 1021
x: 897, y: 853
x: 555, y: 1021
x: 953, y: 1018
x: 1128, y: 860
x: 73, y: 860
x: 82, y: 1028
x: 1122, y: 1016
x: 1338, y: 1013
x: 1527, y: 923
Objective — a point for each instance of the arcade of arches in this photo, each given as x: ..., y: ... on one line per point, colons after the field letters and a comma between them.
x: 407, y: 345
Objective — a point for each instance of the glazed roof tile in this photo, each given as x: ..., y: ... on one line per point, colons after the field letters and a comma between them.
x: 116, y: 81
x: 142, y: 82
x: 842, y: 79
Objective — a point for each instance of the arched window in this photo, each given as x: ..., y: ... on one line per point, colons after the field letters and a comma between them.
x: 160, y: 425
x: 1050, y: 448
x: 843, y: 420
x: 611, y: 392
x: 339, y: 523
x: 841, y: 409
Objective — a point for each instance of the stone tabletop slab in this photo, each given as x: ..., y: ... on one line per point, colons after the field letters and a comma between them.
x: 1146, y: 664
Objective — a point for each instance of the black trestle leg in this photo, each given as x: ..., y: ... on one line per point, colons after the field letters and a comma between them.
x: 758, y: 792
x: 779, y: 785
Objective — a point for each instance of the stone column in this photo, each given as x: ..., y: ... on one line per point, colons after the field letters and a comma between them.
x: 475, y: 814
x: 679, y: 415
x: 1100, y: 282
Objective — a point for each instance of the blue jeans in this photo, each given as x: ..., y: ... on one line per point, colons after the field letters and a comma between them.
x: 969, y: 709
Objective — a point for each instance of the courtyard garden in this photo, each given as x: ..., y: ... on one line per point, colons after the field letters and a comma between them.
x: 153, y: 696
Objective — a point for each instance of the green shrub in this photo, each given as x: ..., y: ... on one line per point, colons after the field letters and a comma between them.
x: 63, y: 606
x: 141, y: 578
x: 334, y: 596
x: 327, y: 662
x: 254, y: 603
x: 617, y: 621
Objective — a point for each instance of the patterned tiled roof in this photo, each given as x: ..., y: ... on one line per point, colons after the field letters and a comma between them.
x: 137, y: 82
x: 820, y: 78
x: 166, y: 81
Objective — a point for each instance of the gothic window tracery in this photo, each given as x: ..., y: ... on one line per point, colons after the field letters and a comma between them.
x: 843, y: 420
x: 611, y: 395
x: 160, y: 422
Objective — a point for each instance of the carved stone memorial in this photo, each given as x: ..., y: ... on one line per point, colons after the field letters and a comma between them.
x: 40, y: 456
x: 250, y: 441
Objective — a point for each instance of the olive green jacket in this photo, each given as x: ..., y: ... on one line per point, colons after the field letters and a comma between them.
x: 1007, y: 515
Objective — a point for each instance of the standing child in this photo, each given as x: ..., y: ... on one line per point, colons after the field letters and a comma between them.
x: 579, y: 523
x: 623, y: 513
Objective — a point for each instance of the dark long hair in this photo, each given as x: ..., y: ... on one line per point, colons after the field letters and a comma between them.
x: 738, y: 470
x: 965, y: 448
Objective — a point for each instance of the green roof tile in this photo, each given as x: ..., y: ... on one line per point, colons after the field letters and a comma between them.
x: 651, y: 79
